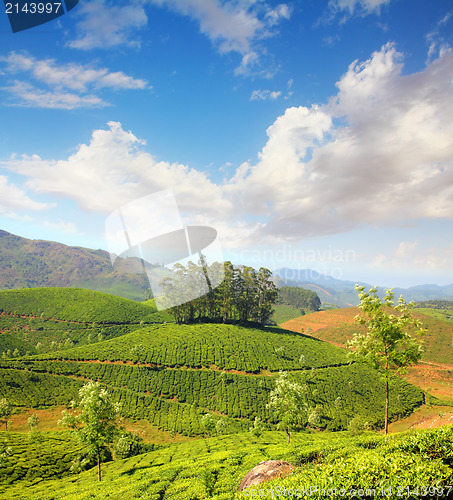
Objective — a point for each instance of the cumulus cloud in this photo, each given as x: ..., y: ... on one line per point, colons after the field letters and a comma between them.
x: 378, y: 153
x: 114, y: 169
x: 13, y: 199
x: 63, y: 86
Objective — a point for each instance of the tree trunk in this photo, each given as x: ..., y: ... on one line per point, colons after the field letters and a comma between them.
x: 287, y: 432
x: 386, y: 405
x: 99, y: 466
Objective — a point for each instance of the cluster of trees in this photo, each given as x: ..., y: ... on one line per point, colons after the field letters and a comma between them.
x: 244, y: 295
x: 300, y: 298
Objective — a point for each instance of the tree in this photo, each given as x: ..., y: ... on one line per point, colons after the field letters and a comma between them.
x: 5, y: 411
x: 257, y: 428
x: 96, y: 425
x: 208, y: 423
x: 33, y: 422
x: 388, y: 344
x: 287, y: 403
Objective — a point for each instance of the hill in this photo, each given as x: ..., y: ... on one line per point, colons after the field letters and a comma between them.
x: 433, y: 374
x: 53, y: 317
x: 28, y: 263
x: 341, y: 293
x: 172, y: 374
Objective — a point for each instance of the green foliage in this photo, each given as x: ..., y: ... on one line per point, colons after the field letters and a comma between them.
x: 214, y: 468
x: 287, y: 403
x: 228, y: 347
x: 305, y: 300
x: 56, y: 319
x: 245, y: 295
x: 415, y: 463
x: 96, y: 425
x: 283, y: 313
x: 29, y: 461
x: 257, y: 428
x: 6, y: 408
x: 387, y: 345
x: 72, y: 304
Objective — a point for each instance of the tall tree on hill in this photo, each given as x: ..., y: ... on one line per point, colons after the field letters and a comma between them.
x: 96, y: 425
x: 267, y: 295
x: 388, y: 344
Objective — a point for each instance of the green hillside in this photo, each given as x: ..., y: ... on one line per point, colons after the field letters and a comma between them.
x: 56, y: 318
x: 172, y: 374
x: 36, y: 263
x: 226, y: 347
x: 73, y: 304
x: 213, y: 468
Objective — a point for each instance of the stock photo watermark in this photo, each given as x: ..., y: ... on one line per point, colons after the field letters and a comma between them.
x: 25, y: 14
x: 146, y: 236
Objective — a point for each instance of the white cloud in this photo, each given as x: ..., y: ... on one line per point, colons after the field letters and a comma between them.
x: 390, y: 160
x: 105, y: 25
x: 61, y: 226
x: 265, y: 94
x: 352, y: 6
x: 65, y: 85
x: 234, y: 26
x: 437, y: 38
x: 411, y: 255
x: 379, y: 153
x: 26, y: 95
x: 348, y: 8
x: 14, y: 199
x: 114, y: 169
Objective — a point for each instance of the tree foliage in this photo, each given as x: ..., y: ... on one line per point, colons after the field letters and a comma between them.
x: 388, y: 344
x: 299, y: 297
x: 244, y: 295
x: 96, y: 425
x: 287, y: 403
x: 5, y: 411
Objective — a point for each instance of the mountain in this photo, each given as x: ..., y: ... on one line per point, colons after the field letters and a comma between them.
x: 342, y: 293
x: 28, y: 263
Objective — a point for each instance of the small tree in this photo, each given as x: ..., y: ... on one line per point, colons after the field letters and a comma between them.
x: 96, y: 425
x: 287, y: 403
x: 208, y: 423
x: 388, y: 345
x: 33, y: 422
x: 257, y: 428
x: 5, y: 411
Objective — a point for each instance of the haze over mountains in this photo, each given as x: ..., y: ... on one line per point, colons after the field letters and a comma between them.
x: 26, y: 263
x: 342, y: 293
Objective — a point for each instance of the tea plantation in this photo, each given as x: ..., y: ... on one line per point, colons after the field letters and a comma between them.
x: 170, y: 375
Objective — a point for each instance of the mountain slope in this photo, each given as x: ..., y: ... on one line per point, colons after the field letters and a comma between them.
x: 28, y: 263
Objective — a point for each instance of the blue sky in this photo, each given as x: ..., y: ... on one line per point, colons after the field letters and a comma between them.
x: 310, y: 133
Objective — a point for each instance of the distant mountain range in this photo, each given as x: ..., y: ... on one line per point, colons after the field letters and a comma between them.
x: 342, y: 293
x: 28, y: 263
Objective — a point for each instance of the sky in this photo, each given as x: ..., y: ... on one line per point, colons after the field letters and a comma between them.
x: 309, y: 133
